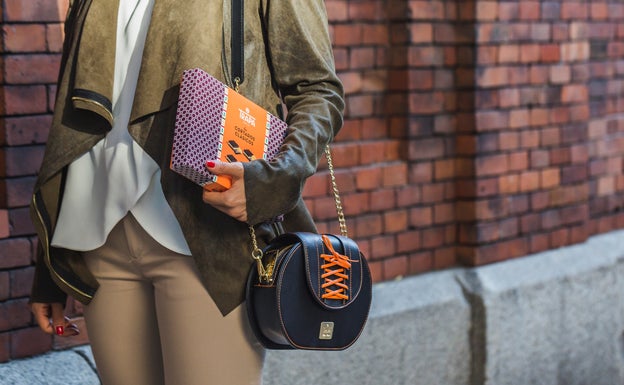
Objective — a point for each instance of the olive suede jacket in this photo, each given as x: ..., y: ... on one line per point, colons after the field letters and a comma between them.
x: 287, y: 52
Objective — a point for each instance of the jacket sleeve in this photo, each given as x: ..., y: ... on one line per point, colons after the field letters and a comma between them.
x: 300, y: 52
x: 44, y: 289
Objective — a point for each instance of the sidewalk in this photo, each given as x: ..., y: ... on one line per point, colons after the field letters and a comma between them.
x: 67, y: 367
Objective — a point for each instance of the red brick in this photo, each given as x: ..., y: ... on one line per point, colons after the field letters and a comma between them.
x: 395, y: 221
x: 316, y: 185
x: 574, y: 93
x: 368, y: 225
x: 27, y: 129
x: 493, y: 77
x: 443, y: 213
x: 529, y: 181
x: 491, y: 165
x: 432, y: 193
x: 383, y: 247
x: 21, y: 280
x: 549, y: 178
x: 530, y: 53
x: 540, y: 32
x: 492, y: 120
x: 574, y: 10
x: 444, y: 258
x: 509, y: 184
x: 421, y: 172
x: 420, y: 262
x: 421, y: 33
x: 5, y: 351
x: 372, y: 152
x: 31, y: 69
x: 426, y: 103
x: 529, y: 10
x: 369, y: 178
x: 425, y: 56
x: 365, y: 10
x: 395, y: 267
x: 15, y: 252
x: 376, y: 34
x: 4, y: 285
x: 354, y: 204
x: 508, y: 53
x: 409, y: 241
x: 25, y: 100
x: 421, y: 216
x: 408, y: 195
x: 347, y: 34
x: 383, y: 199
x: 5, y: 230
x: 560, y: 74
x: 488, y: 54
x: 426, y: 10
x: 351, y: 81
x: 426, y: 149
x: 35, y: 10
x: 22, y: 160
x: 336, y: 10
x: 29, y: 342
x: 24, y: 37
x: 394, y: 175
x: 20, y: 221
x: 529, y: 138
x: 571, y: 52
x: 487, y: 10
x: 508, y: 10
x: 599, y: 11
x: 376, y: 268
x: 14, y: 314
x: 433, y: 237
x: 362, y: 57
x: 374, y: 128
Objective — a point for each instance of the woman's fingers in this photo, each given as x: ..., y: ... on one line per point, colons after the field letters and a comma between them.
x: 232, y: 202
x: 42, y: 312
x: 51, y: 320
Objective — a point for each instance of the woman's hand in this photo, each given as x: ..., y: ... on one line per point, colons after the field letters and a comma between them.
x: 51, y: 320
x: 232, y: 202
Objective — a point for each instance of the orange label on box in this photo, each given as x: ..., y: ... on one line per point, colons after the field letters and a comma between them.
x: 243, y: 134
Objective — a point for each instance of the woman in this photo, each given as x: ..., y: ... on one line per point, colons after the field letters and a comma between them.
x: 160, y: 264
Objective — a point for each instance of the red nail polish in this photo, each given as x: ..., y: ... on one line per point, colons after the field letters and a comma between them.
x: 60, y: 330
x: 210, y: 164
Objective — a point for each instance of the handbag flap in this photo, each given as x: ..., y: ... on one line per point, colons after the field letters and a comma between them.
x: 333, y: 269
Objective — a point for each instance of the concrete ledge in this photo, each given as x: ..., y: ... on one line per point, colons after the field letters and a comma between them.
x: 417, y: 333
x: 553, y: 318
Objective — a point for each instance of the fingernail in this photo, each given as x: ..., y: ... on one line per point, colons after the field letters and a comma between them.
x: 210, y: 164
x: 60, y: 330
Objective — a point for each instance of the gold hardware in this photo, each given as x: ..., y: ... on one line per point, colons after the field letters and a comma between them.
x: 257, y: 254
x: 327, y: 331
x: 237, y: 82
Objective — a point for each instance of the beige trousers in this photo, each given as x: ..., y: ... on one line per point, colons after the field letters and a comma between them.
x: 152, y: 321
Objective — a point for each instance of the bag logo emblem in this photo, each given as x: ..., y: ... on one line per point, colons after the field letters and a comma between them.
x: 327, y: 331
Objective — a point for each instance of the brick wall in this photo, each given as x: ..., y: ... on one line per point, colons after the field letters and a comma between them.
x: 475, y: 131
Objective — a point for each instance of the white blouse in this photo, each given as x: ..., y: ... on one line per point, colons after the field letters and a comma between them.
x: 116, y: 176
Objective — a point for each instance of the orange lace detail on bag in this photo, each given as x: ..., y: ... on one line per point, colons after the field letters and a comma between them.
x: 334, y: 275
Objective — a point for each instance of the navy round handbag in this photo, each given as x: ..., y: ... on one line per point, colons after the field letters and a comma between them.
x: 309, y: 291
x: 314, y: 293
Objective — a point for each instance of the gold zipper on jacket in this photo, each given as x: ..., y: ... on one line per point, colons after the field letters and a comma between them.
x: 109, y: 116
x: 46, y: 253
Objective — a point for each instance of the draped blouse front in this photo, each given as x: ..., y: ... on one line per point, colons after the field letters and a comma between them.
x: 116, y: 176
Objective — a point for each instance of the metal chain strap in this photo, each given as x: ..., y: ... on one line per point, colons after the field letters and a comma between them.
x: 339, y: 210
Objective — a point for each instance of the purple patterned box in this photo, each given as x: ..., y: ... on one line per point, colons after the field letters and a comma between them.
x: 215, y: 122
